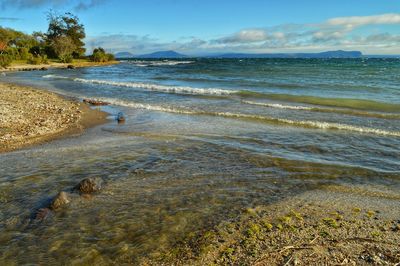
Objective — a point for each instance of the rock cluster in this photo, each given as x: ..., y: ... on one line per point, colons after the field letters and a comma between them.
x: 89, y: 185
x: 95, y: 102
x: 60, y: 200
x: 86, y: 187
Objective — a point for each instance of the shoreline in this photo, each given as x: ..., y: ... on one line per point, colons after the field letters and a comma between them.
x: 31, y: 116
x: 43, y: 67
x: 327, y: 226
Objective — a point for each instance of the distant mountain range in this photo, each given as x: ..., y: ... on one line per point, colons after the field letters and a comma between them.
x: 124, y: 55
x: 160, y: 54
x: 328, y: 54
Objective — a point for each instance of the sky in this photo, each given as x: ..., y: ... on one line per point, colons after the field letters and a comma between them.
x: 197, y: 27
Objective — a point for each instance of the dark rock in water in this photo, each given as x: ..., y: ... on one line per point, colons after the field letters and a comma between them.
x: 60, y: 200
x: 70, y: 67
x: 44, y: 68
x: 90, y: 185
x: 42, y: 214
x: 120, y: 118
x: 95, y: 102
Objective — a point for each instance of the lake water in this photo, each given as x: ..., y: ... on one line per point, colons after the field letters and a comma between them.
x: 203, y: 139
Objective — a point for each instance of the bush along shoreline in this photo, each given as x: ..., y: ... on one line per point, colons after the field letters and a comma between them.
x: 62, y: 43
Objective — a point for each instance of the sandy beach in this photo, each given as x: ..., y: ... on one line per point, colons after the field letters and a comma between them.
x: 326, y: 226
x: 31, y: 116
x: 17, y: 66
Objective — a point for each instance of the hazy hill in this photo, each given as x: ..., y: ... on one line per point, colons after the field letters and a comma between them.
x: 329, y: 54
x: 162, y: 54
x: 124, y: 55
x: 173, y: 54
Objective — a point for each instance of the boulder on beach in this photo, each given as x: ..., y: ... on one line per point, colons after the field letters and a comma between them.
x: 95, y: 102
x: 60, y: 200
x: 90, y: 185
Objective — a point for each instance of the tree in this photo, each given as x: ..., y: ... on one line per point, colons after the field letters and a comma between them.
x: 63, y: 46
x: 100, y: 55
x: 67, y: 25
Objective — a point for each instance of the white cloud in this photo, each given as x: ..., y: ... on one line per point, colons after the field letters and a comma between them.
x: 333, y: 34
x: 352, y: 22
x: 336, y: 33
x: 246, y: 36
x: 27, y: 4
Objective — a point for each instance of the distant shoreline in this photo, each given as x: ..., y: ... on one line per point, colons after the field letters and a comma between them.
x: 32, y: 116
x: 28, y: 67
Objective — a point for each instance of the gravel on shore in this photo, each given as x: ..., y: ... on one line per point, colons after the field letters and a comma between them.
x: 31, y: 116
x: 328, y: 226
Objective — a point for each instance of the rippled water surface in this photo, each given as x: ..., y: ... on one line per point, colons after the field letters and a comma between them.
x: 204, y: 138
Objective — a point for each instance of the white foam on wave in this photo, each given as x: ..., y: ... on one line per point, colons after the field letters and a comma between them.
x: 144, y: 63
x: 54, y: 77
x: 326, y: 110
x: 152, y: 87
x: 279, y: 106
x: 302, y: 123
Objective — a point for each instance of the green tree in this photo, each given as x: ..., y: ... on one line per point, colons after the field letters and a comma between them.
x: 100, y: 55
x: 63, y: 47
x: 5, y: 60
x: 67, y: 25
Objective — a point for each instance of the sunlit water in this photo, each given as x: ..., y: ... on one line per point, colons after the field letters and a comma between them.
x: 204, y: 138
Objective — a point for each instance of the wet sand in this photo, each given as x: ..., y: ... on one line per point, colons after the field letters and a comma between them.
x: 31, y: 116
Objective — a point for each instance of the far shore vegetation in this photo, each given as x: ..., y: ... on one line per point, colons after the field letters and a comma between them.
x: 62, y: 43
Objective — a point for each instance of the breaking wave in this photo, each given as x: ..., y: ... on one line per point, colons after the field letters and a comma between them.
x: 325, y: 110
x: 268, y: 119
x: 152, y: 87
x: 144, y: 63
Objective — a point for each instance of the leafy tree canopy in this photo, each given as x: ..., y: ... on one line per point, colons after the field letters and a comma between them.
x: 67, y: 25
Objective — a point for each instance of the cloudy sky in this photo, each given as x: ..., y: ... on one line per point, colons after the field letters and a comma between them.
x: 214, y: 26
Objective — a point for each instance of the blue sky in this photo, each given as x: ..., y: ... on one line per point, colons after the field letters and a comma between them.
x: 206, y: 26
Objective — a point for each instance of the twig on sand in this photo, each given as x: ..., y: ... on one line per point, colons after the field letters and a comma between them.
x: 289, y: 260
x: 312, y: 241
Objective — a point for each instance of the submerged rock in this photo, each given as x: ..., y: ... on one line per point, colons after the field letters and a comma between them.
x: 90, y: 185
x: 60, y: 200
x: 42, y: 214
x: 120, y: 118
x: 95, y: 102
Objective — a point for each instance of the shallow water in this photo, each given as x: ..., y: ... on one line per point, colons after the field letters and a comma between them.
x: 204, y: 138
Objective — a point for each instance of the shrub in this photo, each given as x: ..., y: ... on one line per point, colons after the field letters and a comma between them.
x: 110, y: 57
x: 13, y: 53
x: 44, y: 59
x: 5, y: 60
x: 23, y: 53
x: 68, y: 58
x: 100, y: 55
x: 37, y: 60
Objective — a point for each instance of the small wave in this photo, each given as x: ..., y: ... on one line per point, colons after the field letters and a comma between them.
x: 300, y: 123
x: 144, y: 63
x: 326, y: 110
x: 54, y: 77
x: 152, y: 87
x: 364, y: 107
x: 358, y: 104
x: 279, y: 106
